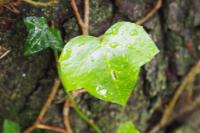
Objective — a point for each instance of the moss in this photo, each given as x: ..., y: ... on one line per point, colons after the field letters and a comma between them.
x: 155, y: 75
x: 100, y: 11
x: 174, y: 41
x: 196, y: 41
x: 71, y: 29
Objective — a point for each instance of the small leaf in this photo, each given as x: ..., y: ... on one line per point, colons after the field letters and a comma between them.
x: 108, y: 68
x: 40, y: 36
x: 10, y: 127
x: 127, y: 127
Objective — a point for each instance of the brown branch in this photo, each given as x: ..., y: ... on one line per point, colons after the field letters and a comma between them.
x: 84, y: 24
x: 76, y: 93
x: 189, y: 108
x: 77, y: 14
x: 168, y: 111
x: 45, y: 107
x: 41, y: 4
x: 85, y: 29
x: 66, y: 109
x: 50, y: 99
x: 148, y: 16
x: 151, y: 13
x: 86, y: 16
x: 11, y: 7
x: 4, y: 54
x: 51, y: 128
x: 189, y: 94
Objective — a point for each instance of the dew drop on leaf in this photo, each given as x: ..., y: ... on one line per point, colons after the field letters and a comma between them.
x: 114, y: 45
x: 113, y: 75
x: 101, y: 90
x: 133, y: 33
x: 114, y: 31
x: 117, y: 57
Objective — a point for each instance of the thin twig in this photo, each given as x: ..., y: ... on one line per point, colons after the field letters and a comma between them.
x: 189, y: 94
x: 168, y: 111
x: 45, y: 107
x: 85, y: 29
x: 78, y: 92
x: 66, y: 109
x: 51, y: 128
x: 42, y: 4
x: 4, y: 54
x: 148, y: 16
x: 9, y: 19
x: 189, y: 108
x: 77, y: 14
x: 50, y: 99
x: 151, y: 13
x: 83, y: 23
x: 82, y: 115
x: 12, y: 8
x: 86, y: 16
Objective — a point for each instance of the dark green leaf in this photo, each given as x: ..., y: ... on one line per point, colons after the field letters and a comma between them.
x: 127, y: 127
x: 107, y: 68
x: 10, y: 127
x: 40, y: 36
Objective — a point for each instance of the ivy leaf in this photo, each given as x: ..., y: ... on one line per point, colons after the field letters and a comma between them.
x: 108, y: 69
x: 127, y: 127
x: 10, y: 127
x: 40, y: 36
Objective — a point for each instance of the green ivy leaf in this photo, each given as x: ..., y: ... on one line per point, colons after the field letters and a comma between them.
x: 10, y: 127
x: 40, y: 36
x: 127, y: 127
x: 108, y: 68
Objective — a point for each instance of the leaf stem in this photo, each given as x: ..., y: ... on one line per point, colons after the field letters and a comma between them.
x: 74, y: 104
x: 66, y: 119
x: 83, y: 22
x: 51, y: 128
x: 81, y: 114
x: 55, y: 52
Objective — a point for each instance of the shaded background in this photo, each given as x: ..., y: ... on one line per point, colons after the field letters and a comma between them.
x: 25, y: 82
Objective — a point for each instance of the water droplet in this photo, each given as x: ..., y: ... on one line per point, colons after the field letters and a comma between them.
x: 133, y: 33
x: 114, y: 45
x: 113, y: 75
x: 114, y: 31
x: 101, y: 90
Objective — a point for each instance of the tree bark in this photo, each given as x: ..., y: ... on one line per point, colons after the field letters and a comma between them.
x: 25, y: 82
